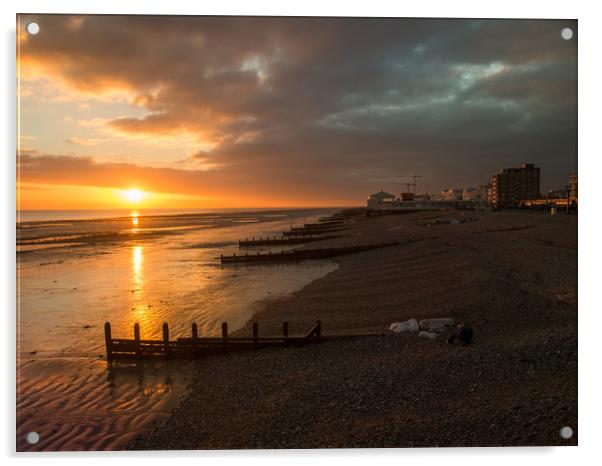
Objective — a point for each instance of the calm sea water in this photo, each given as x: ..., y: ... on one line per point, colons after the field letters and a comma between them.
x: 78, y: 269
x: 81, y: 214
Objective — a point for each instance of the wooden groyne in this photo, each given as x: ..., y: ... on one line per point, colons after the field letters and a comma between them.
x: 301, y: 231
x: 283, y: 240
x: 195, y: 345
x: 335, y: 217
x: 331, y: 221
x: 317, y: 226
x: 305, y: 254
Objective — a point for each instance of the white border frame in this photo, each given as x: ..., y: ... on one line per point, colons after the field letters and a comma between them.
x: 590, y: 319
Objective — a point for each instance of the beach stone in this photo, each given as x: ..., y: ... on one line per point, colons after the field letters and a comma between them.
x: 439, y: 325
x: 431, y: 335
x: 410, y: 325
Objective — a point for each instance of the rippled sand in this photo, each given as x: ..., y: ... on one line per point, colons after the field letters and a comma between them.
x: 66, y: 392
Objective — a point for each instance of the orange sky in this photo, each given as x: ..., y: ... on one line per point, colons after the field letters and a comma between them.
x: 86, y: 139
x: 214, y: 112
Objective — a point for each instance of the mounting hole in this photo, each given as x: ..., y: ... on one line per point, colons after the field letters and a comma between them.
x: 32, y: 28
x: 566, y: 432
x: 33, y: 438
x: 567, y: 33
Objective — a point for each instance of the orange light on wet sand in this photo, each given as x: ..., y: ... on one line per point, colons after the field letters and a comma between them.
x: 137, y: 264
x: 134, y: 195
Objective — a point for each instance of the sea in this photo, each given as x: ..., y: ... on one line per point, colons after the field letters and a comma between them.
x: 78, y: 269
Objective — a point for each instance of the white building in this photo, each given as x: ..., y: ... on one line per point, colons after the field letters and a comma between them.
x: 380, y: 199
x: 386, y: 203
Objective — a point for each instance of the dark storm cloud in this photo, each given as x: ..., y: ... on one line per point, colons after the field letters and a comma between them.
x: 347, y: 103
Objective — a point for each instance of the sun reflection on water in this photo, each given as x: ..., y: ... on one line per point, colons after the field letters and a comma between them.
x: 135, y: 220
x: 138, y: 306
x: 137, y: 263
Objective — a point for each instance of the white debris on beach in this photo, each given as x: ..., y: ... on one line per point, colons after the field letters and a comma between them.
x: 427, y: 328
x: 406, y: 326
x: 439, y: 325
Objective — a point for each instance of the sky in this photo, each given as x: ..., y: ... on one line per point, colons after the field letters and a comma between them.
x: 226, y: 112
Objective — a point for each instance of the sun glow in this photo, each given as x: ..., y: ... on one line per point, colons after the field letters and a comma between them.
x: 134, y: 195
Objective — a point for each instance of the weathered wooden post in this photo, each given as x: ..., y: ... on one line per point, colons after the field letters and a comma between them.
x: 166, y: 339
x: 225, y: 335
x: 137, y: 339
x: 195, y: 341
x: 255, y: 334
x: 108, y: 341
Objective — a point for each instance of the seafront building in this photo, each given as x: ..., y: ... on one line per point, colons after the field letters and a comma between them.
x: 386, y: 203
x: 557, y: 194
x: 511, y: 186
x: 451, y: 194
x: 483, y: 193
x: 469, y: 194
x: 572, y: 187
x: 380, y: 200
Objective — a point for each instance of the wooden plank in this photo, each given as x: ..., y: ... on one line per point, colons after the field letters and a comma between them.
x: 108, y: 341
x: 225, y: 335
x: 234, y: 340
x: 137, y: 338
x: 166, y: 338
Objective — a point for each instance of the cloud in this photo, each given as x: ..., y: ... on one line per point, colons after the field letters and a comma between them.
x: 35, y: 168
x: 83, y: 141
x: 335, y: 101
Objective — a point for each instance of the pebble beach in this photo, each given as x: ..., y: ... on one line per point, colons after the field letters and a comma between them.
x: 511, y: 274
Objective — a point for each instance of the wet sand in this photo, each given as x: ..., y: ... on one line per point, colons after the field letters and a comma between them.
x: 66, y: 392
x: 513, y: 275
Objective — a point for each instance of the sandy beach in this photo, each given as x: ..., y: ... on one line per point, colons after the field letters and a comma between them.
x: 511, y: 274
x: 65, y: 390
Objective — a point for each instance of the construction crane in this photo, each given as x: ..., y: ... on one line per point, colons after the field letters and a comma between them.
x: 414, y: 177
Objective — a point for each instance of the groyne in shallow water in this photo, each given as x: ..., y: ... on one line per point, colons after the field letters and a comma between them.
x: 65, y: 390
x: 306, y: 254
x: 283, y: 241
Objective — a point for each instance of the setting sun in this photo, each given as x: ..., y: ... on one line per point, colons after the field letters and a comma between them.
x: 134, y: 195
